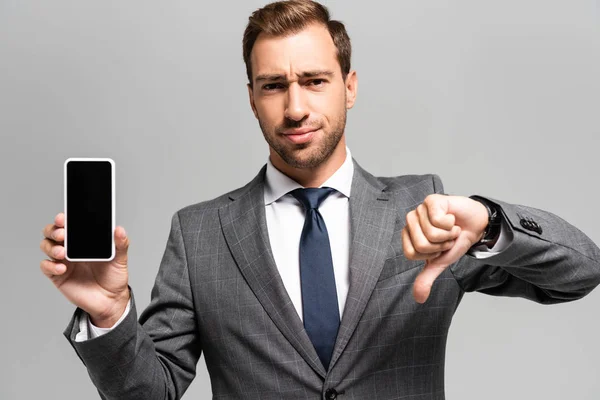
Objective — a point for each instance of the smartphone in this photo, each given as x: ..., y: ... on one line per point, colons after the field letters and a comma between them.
x: 89, y: 195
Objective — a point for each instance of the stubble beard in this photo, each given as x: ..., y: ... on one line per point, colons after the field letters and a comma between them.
x: 293, y: 154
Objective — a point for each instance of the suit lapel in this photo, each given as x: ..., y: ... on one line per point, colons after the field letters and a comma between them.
x: 245, y: 228
x: 372, y: 221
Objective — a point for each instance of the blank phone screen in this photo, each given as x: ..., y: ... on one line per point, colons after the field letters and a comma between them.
x: 89, y: 210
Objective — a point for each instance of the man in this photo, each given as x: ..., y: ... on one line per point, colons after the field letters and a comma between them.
x: 316, y: 279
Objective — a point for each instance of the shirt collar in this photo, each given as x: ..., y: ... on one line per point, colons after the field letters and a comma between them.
x: 277, y: 184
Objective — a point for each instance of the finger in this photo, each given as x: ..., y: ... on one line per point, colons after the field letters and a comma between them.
x: 52, y: 269
x: 121, y: 246
x: 433, y: 233
x: 409, y: 250
x: 53, y: 233
x: 52, y: 250
x: 437, y: 208
x: 451, y: 256
x: 424, y: 281
x: 421, y: 243
x: 59, y: 220
x: 50, y: 229
x: 59, y: 235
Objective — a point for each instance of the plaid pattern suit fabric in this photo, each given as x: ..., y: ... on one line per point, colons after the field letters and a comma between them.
x: 218, y: 291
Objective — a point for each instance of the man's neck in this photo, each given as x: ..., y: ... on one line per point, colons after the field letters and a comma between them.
x: 312, y: 177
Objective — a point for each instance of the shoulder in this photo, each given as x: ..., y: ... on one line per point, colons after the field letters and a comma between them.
x: 413, y: 183
x: 206, y: 205
x: 212, y: 206
x: 402, y: 183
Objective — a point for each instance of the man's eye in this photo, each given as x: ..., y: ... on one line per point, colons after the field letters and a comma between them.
x: 317, y: 82
x: 272, y: 86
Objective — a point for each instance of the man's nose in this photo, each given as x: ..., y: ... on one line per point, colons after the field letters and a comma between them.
x: 296, y: 108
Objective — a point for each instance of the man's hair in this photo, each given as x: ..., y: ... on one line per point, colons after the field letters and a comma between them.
x: 284, y: 18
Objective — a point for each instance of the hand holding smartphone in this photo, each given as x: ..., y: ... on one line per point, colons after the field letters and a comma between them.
x: 87, y: 254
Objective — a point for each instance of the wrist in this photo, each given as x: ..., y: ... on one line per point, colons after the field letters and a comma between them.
x: 110, y: 318
x: 491, y: 231
x: 482, y: 217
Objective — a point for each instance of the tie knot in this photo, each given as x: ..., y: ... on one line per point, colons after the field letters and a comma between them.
x: 311, y: 197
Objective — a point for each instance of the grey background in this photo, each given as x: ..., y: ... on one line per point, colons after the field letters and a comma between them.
x: 498, y: 98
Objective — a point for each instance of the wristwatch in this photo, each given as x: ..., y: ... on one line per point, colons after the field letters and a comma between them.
x: 494, y: 221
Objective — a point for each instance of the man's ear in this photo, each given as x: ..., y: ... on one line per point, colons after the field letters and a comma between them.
x: 251, y: 97
x: 351, y: 88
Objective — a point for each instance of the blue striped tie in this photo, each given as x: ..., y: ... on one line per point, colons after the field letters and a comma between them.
x: 319, y: 297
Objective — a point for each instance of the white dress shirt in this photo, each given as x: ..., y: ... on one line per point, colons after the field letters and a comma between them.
x: 285, y: 220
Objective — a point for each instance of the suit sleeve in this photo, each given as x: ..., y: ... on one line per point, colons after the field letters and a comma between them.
x: 156, y: 357
x: 557, y: 263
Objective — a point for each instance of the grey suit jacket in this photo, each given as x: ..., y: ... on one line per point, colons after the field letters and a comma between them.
x: 218, y: 291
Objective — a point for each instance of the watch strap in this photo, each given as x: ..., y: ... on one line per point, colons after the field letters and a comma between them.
x: 494, y: 221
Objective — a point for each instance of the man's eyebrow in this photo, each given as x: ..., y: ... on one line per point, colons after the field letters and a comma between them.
x: 282, y: 77
x: 312, y: 74
x: 270, y: 77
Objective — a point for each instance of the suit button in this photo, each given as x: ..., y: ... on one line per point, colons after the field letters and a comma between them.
x: 331, y: 394
x: 531, y: 225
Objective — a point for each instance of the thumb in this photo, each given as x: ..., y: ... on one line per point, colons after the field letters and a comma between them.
x: 424, y: 281
x: 461, y: 246
x: 121, y: 246
x: 436, y: 265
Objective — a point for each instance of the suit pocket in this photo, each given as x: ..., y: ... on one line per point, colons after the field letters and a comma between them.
x: 397, y: 266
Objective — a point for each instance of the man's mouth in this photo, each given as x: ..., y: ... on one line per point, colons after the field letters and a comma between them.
x: 300, y: 135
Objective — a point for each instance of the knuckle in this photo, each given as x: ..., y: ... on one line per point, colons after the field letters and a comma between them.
x: 435, y: 219
x: 428, y: 232
x: 421, y: 245
x: 434, y: 235
x: 430, y: 199
x: 427, y: 200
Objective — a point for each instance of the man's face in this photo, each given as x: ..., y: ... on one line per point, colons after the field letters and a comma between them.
x: 299, y: 96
